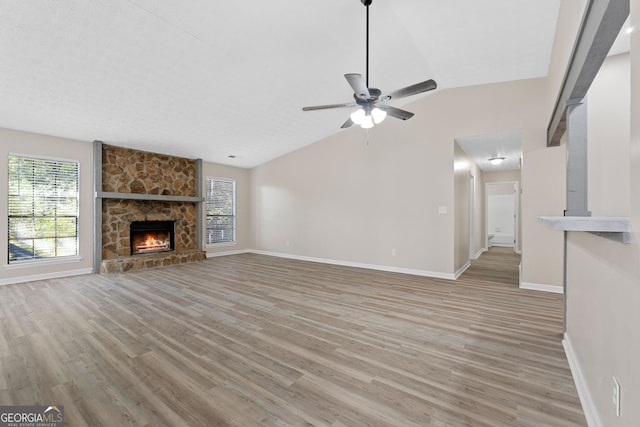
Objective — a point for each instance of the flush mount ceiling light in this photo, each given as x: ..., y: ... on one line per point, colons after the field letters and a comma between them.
x: 496, y: 160
x: 373, y: 104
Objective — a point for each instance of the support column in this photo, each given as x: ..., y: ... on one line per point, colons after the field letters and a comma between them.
x: 199, y: 206
x: 97, y: 205
x: 577, y: 156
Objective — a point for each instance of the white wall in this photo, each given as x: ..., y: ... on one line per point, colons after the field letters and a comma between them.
x: 17, y: 142
x: 543, y: 175
x: 543, y: 194
x: 343, y: 199
x: 603, y: 276
x: 479, y: 215
x: 463, y: 168
x: 608, y: 109
x: 502, y: 176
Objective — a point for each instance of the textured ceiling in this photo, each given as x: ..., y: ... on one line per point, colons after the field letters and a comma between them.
x: 208, y: 79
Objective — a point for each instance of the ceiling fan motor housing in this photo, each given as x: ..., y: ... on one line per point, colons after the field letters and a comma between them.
x: 374, y: 93
x: 372, y: 103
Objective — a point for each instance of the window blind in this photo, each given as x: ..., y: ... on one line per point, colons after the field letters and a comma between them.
x: 43, y: 198
x: 220, y: 202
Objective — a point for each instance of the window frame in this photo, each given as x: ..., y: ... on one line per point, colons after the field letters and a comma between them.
x: 16, y: 263
x: 208, y: 200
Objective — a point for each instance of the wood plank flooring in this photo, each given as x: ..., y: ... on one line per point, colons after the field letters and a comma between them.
x: 252, y: 340
x: 499, y: 265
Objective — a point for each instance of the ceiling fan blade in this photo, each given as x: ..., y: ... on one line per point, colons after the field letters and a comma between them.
x: 347, y: 124
x: 324, y: 107
x: 395, y: 112
x: 358, y: 84
x: 411, y: 90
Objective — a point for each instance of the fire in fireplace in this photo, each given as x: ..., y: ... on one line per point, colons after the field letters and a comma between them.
x: 151, y: 236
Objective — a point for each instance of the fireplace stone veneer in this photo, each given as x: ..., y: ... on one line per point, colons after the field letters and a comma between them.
x: 139, y: 186
x: 119, y: 214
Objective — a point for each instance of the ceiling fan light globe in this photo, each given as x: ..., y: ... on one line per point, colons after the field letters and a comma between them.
x: 357, y: 116
x: 378, y: 115
x: 367, y: 122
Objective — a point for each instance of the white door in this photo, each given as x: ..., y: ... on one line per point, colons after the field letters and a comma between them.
x: 502, y: 213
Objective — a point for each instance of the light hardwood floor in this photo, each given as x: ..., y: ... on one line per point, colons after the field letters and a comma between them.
x: 252, y: 340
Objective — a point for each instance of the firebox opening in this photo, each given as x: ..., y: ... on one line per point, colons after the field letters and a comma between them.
x: 151, y: 236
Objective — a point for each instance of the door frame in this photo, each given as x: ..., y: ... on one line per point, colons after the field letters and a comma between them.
x: 472, y: 214
x: 516, y: 219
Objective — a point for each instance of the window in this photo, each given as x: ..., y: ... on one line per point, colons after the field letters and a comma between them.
x: 43, y: 208
x: 221, y: 210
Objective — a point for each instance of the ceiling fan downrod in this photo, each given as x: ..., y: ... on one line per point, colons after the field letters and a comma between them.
x: 367, y: 3
x: 373, y: 104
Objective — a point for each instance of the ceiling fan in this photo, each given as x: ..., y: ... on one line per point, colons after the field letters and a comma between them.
x: 373, y: 104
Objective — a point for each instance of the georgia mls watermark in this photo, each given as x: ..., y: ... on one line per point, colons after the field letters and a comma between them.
x: 32, y: 416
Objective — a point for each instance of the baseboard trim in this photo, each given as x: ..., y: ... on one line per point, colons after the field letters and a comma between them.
x: 462, y: 270
x: 225, y: 253
x: 45, y: 276
x: 480, y: 252
x: 543, y: 288
x: 387, y: 268
x: 590, y: 412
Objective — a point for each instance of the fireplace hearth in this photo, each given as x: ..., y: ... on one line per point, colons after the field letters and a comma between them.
x: 151, y: 236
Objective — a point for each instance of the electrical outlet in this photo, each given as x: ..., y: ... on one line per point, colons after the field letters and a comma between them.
x: 393, y: 252
x: 616, y: 395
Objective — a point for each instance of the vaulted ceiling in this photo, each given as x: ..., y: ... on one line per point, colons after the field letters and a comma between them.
x: 213, y: 79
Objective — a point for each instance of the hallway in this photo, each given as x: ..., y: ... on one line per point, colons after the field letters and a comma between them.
x: 497, y: 265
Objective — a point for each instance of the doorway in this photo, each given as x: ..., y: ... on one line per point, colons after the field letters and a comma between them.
x: 502, y: 215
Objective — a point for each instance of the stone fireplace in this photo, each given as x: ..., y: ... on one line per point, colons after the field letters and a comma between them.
x: 149, y: 210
